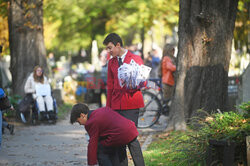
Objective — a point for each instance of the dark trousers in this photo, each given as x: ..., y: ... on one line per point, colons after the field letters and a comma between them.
x: 107, y: 156
x: 134, y: 146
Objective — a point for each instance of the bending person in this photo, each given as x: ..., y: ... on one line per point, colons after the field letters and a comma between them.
x: 35, y: 82
x: 108, y: 131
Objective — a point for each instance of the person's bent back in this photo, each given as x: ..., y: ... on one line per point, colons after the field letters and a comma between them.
x: 104, y: 126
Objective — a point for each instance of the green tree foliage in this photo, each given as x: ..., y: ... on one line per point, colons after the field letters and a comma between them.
x: 4, y: 36
x: 76, y: 23
x: 79, y: 22
x: 3, y: 8
x: 242, y: 25
x: 70, y: 25
x: 146, y: 14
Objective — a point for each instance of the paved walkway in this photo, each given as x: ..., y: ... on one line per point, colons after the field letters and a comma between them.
x: 54, y: 145
x: 60, y: 144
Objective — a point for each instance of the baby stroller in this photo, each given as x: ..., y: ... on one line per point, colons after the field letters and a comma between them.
x: 29, y: 110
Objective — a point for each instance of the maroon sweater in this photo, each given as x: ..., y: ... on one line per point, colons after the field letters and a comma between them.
x: 110, y: 128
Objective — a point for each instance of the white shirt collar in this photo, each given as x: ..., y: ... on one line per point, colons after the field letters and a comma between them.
x: 123, y: 55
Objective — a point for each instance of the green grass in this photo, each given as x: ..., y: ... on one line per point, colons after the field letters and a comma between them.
x: 167, y: 150
x: 189, y: 148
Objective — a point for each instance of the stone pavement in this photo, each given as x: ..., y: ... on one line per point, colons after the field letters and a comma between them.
x: 55, y: 145
x: 60, y: 144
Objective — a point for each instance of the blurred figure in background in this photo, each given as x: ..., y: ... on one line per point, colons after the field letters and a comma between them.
x: 2, y: 94
x: 52, y: 63
x: 104, y: 75
x: 155, y: 63
x: 51, y: 60
x: 104, y: 63
x: 35, y: 80
x: 148, y: 60
x: 166, y: 70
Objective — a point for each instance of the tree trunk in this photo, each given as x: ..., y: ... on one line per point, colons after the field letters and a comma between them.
x: 205, y: 41
x: 27, y: 47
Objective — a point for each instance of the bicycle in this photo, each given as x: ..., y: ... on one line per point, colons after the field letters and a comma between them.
x: 154, y: 106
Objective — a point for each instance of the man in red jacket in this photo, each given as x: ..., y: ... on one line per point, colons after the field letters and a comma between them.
x: 107, y: 130
x: 124, y: 101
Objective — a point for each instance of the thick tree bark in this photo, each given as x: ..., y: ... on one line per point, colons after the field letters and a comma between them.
x: 27, y: 47
x: 205, y: 41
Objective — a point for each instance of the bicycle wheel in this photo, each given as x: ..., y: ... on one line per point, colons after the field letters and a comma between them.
x: 150, y: 114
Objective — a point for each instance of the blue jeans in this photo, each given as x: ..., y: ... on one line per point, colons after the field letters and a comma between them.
x: 4, y: 124
x: 0, y: 128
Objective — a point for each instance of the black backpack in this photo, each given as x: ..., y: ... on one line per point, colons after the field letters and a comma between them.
x: 25, y: 103
x: 4, y: 103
